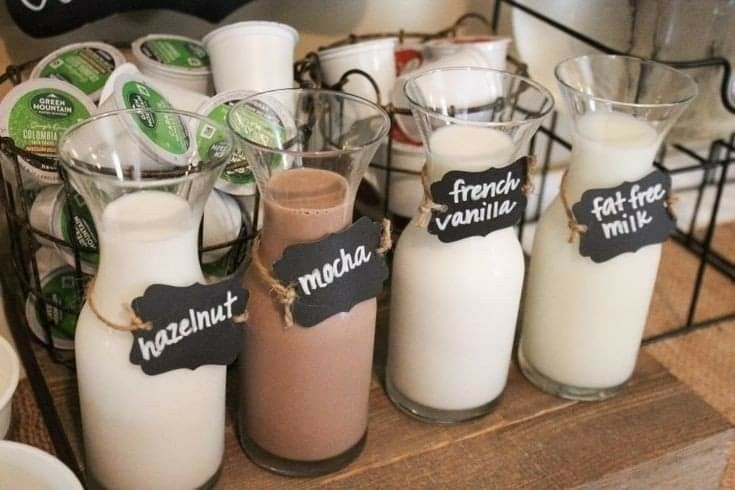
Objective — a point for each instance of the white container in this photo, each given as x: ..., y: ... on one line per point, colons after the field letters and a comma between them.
x: 60, y: 287
x: 493, y: 48
x: 34, y: 114
x: 454, y: 305
x: 466, y: 57
x: 222, y: 224
x: 252, y: 55
x: 144, y: 141
x: 24, y: 467
x: 180, y: 98
x: 409, y: 56
x: 9, y: 374
x: 376, y: 58
x: 50, y: 215
x: 587, y: 331
x: 406, y: 189
x: 85, y: 65
x: 177, y: 60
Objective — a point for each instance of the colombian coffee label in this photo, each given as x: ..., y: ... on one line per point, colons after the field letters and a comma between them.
x: 166, y: 130
x: 624, y: 218
x: 38, y: 119
x: 190, y: 326
x: 176, y: 52
x: 478, y: 203
x: 86, y: 68
x: 334, y: 274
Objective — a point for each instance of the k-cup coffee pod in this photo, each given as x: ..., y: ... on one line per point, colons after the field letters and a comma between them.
x: 48, y: 259
x: 34, y: 114
x: 252, y: 55
x: 177, y: 60
x: 147, y: 137
x: 24, y: 467
x: 180, y: 98
x: 63, y: 302
x: 237, y: 179
x: 376, y: 58
x: 67, y: 220
x: 9, y: 374
x: 86, y: 65
x: 222, y: 224
x: 493, y: 48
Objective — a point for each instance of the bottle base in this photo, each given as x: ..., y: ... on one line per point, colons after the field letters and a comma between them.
x: 433, y: 415
x: 562, y: 390
x: 92, y: 483
x: 290, y: 467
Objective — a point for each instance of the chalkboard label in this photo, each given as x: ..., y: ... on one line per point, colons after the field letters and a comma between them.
x: 624, y: 218
x: 190, y: 326
x: 334, y: 274
x: 479, y: 203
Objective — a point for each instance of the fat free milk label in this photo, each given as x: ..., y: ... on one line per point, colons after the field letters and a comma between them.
x: 334, y: 274
x: 478, y: 203
x: 190, y: 326
x: 624, y: 218
x: 86, y: 68
x: 165, y: 130
x: 38, y: 119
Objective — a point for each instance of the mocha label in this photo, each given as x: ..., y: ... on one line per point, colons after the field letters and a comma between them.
x: 190, y: 326
x: 624, y: 218
x: 334, y: 274
x: 478, y: 203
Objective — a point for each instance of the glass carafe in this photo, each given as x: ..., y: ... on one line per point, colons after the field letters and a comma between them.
x: 454, y: 305
x: 583, y: 320
x: 145, y: 184
x: 304, y: 391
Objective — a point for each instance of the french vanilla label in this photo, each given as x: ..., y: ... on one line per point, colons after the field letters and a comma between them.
x: 478, y: 203
x: 190, y: 326
x: 39, y: 117
x: 334, y: 274
x: 165, y: 130
x: 624, y: 218
x: 86, y: 68
x: 176, y: 52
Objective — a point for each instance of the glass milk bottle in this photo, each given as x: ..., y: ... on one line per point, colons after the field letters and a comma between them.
x: 304, y: 390
x: 145, y: 186
x: 454, y: 305
x: 583, y: 321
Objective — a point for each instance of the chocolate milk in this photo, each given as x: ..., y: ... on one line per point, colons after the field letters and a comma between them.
x: 304, y: 391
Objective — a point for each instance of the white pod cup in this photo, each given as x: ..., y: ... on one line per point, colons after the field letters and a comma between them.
x: 376, y: 58
x: 85, y: 65
x: 24, y: 467
x: 146, y: 141
x: 58, y: 286
x: 222, y: 224
x: 35, y: 114
x: 177, y: 60
x: 42, y: 213
x: 180, y: 98
x: 9, y: 374
x: 252, y: 55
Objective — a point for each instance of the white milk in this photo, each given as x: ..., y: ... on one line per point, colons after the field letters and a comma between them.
x: 140, y: 431
x: 454, y: 305
x: 583, y: 321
